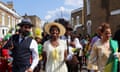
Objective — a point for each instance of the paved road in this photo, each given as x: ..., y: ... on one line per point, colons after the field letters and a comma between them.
x: 83, y: 69
x: 78, y: 71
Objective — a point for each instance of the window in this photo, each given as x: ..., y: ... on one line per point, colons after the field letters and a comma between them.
x: 0, y: 18
x: 88, y: 7
x: 8, y: 21
x: 104, y: 3
x: 115, y: 12
x: 89, y: 23
x: 77, y: 19
x: 3, y: 31
x: 3, y: 19
x: 72, y: 21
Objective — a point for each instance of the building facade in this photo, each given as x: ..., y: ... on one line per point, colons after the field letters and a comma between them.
x: 99, y: 11
x: 8, y: 18
x: 77, y: 20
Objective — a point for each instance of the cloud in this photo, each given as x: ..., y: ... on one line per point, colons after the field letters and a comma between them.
x: 61, y: 12
x: 47, y: 17
x: 75, y: 3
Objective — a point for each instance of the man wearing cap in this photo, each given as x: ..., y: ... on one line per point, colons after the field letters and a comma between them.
x: 23, y: 47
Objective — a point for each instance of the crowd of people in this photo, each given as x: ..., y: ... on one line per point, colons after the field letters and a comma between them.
x: 59, y: 49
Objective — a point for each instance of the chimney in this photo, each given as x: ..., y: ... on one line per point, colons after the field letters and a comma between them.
x: 10, y: 4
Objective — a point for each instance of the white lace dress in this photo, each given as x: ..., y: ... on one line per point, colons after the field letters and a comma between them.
x: 55, y: 57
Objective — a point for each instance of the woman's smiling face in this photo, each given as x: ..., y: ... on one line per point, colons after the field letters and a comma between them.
x: 54, y: 31
x: 107, y: 33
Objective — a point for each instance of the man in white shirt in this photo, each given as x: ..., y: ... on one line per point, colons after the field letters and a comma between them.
x: 24, y: 48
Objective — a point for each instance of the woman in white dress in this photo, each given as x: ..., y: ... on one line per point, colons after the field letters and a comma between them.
x: 104, y: 55
x: 55, y: 48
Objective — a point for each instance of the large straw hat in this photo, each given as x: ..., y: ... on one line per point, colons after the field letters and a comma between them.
x: 60, y: 26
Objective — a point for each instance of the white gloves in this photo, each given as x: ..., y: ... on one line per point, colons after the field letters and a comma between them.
x: 69, y: 56
x: 117, y: 54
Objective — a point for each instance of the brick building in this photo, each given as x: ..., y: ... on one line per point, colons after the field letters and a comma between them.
x: 77, y: 20
x: 98, y: 11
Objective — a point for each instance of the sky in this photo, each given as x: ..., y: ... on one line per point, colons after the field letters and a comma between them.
x: 46, y: 10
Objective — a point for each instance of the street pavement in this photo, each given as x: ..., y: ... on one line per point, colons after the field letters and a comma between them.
x: 84, y: 69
